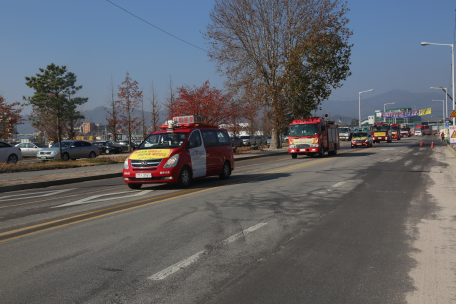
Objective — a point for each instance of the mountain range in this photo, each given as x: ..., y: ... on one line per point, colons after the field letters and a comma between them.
x: 344, y: 110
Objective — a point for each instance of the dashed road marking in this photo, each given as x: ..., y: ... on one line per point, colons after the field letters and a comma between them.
x: 190, y: 260
x: 94, y: 199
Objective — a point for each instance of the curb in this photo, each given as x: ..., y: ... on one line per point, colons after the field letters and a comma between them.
x: 95, y: 177
x: 451, y: 149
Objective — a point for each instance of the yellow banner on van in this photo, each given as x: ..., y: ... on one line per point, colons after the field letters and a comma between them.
x: 151, y: 154
x: 425, y: 111
x: 303, y: 141
x: 379, y: 133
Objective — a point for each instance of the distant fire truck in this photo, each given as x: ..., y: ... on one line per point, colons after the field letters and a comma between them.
x: 405, y: 131
x: 396, y: 131
x: 313, y: 136
x: 381, y: 131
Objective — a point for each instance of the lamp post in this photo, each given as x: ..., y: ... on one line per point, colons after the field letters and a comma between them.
x: 446, y: 98
x: 443, y: 110
x: 452, y: 65
x: 359, y: 122
x: 384, y: 107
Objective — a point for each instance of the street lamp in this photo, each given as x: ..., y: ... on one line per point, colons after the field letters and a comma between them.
x: 446, y: 98
x: 452, y: 65
x: 384, y: 107
x: 359, y: 122
x: 443, y: 110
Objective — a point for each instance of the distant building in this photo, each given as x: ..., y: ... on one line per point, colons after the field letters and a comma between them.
x: 88, y: 127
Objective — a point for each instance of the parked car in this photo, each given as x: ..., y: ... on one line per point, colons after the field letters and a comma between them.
x: 30, y: 149
x: 268, y: 141
x: 124, y: 145
x: 71, y: 149
x: 248, y: 140
x: 9, y: 154
x: 236, y: 141
x: 107, y: 147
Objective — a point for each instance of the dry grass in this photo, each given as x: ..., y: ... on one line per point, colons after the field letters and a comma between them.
x: 53, y: 165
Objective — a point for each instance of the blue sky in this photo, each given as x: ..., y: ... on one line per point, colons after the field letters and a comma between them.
x: 97, y: 40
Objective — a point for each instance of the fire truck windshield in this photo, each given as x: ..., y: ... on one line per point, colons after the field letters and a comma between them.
x: 380, y: 128
x: 394, y: 128
x: 303, y: 130
x: 164, y: 140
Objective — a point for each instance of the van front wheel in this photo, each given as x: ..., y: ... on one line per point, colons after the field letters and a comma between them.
x: 185, y: 178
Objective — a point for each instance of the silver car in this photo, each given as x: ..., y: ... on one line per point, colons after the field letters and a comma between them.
x: 71, y: 149
x: 31, y: 149
x: 9, y: 153
x: 248, y: 140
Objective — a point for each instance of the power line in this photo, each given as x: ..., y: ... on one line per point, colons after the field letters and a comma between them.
x: 156, y: 26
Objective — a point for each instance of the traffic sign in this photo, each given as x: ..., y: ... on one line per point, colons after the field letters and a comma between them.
x: 453, y: 114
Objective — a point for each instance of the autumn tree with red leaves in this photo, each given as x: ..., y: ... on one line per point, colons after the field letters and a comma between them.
x: 209, y: 103
x: 130, y: 100
x: 9, y: 118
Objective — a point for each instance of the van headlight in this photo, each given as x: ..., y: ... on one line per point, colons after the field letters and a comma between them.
x: 126, y: 164
x: 172, y: 162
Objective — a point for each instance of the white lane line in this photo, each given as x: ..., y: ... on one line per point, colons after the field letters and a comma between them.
x: 242, y: 233
x: 176, y: 267
x: 385, y: 160
x: 53, y: 192
x: 94, y: 199
x: 188, y: 261
x: 337, y: 185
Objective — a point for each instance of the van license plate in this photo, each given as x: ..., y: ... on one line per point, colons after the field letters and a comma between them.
x: 43, y: 157
x: 143, y: 175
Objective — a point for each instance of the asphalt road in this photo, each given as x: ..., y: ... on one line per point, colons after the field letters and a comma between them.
x: 365, y: 226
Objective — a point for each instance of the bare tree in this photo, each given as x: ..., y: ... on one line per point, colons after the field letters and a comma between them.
x: 113, y: 109
x: 287, y: 53
x: 143, y: 118
x: 155, y: 106
x: 129, y: 96
x: 171, y: 98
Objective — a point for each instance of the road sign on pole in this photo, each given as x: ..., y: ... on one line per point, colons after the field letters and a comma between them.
x: 453, y: 114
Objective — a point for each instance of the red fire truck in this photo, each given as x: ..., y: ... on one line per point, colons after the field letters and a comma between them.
x: 313, y: 136
x: 405, y: 131
x: 396, y: 131
x: 381, y: 131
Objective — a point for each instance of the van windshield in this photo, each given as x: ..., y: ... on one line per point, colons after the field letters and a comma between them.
x: 164, y: 140
x: 360, y: 134
x: 344, y: 130
x: 303, y: 130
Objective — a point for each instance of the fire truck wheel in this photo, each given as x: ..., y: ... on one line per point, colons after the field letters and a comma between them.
x: 294, y: 155
x: 321, y: 153
x: 134, y: 186
x: 185, y: 178
x: 226, y: 171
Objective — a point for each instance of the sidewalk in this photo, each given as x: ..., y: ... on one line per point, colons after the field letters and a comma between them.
x: 46, y: 178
